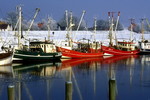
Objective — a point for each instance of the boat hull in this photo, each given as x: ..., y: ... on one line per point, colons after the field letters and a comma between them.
x: 6, y: 58
x: 112, y: 51
x: 144, y: 52
x: 66, y: 53
x: 20, y: 55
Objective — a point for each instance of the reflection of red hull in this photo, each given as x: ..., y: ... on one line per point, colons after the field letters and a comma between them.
x: 113, y: 59
x: 66, y: 53
x: 113, y: 51
x: 74, y: 62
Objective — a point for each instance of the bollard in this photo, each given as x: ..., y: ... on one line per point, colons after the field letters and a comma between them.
x: 11, y: 92
x: 112, y: 89
x: 68, y: 90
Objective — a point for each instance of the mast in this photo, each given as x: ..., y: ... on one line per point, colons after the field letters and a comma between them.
x: 131, y: 28
x: 148, y: 22
x: 116, y: 28
x: 81, y: 19
x: 142, y: 28
x: 37, y: 11
x: 70, y: 30
x: 67, y: 26
x: 83, y: 13
x: 111, y: 18
x: 95, y: 26
x: 20, y: 23
x: 48, y: 26
x: 66, y: 14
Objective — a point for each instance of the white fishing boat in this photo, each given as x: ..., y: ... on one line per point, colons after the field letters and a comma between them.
x: 144, y: 44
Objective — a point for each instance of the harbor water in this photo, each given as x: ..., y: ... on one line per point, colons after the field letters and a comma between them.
x: 106, y: 78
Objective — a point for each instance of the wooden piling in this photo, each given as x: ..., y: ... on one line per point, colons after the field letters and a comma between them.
x: 112, y: 89
x: 68, y: 93
x: 11, y: 92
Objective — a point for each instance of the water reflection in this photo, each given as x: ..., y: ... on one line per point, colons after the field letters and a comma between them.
x: 108, y: 78
x: 6, y: 71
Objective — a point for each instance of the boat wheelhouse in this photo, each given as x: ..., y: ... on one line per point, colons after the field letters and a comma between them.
x: 127, y: 46
x: 144, y: 47
x: 42, y: 46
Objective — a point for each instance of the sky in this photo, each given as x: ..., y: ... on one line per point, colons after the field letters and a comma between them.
x: 99, y: 9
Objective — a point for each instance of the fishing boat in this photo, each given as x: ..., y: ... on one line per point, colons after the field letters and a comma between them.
x: 6, y: 52
x: 124, y: 47
x: 84, y: 48
x: 144, y: 44
x: 37, y: 50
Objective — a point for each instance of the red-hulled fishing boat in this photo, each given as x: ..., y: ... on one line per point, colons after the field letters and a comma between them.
x: 121, y: 47
x: 84, y: 49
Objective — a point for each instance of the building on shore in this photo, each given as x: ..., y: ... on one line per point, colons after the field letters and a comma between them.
x: 5, y: 27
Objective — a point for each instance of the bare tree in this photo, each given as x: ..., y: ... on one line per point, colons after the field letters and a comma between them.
x: 11, y: 18
x: 62, y: 23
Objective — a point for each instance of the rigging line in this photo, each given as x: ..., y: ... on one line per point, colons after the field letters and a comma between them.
x: 28, y: 92
x: 76, y: 84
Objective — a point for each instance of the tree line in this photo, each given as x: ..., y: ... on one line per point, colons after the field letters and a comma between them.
x: 102, y: 24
